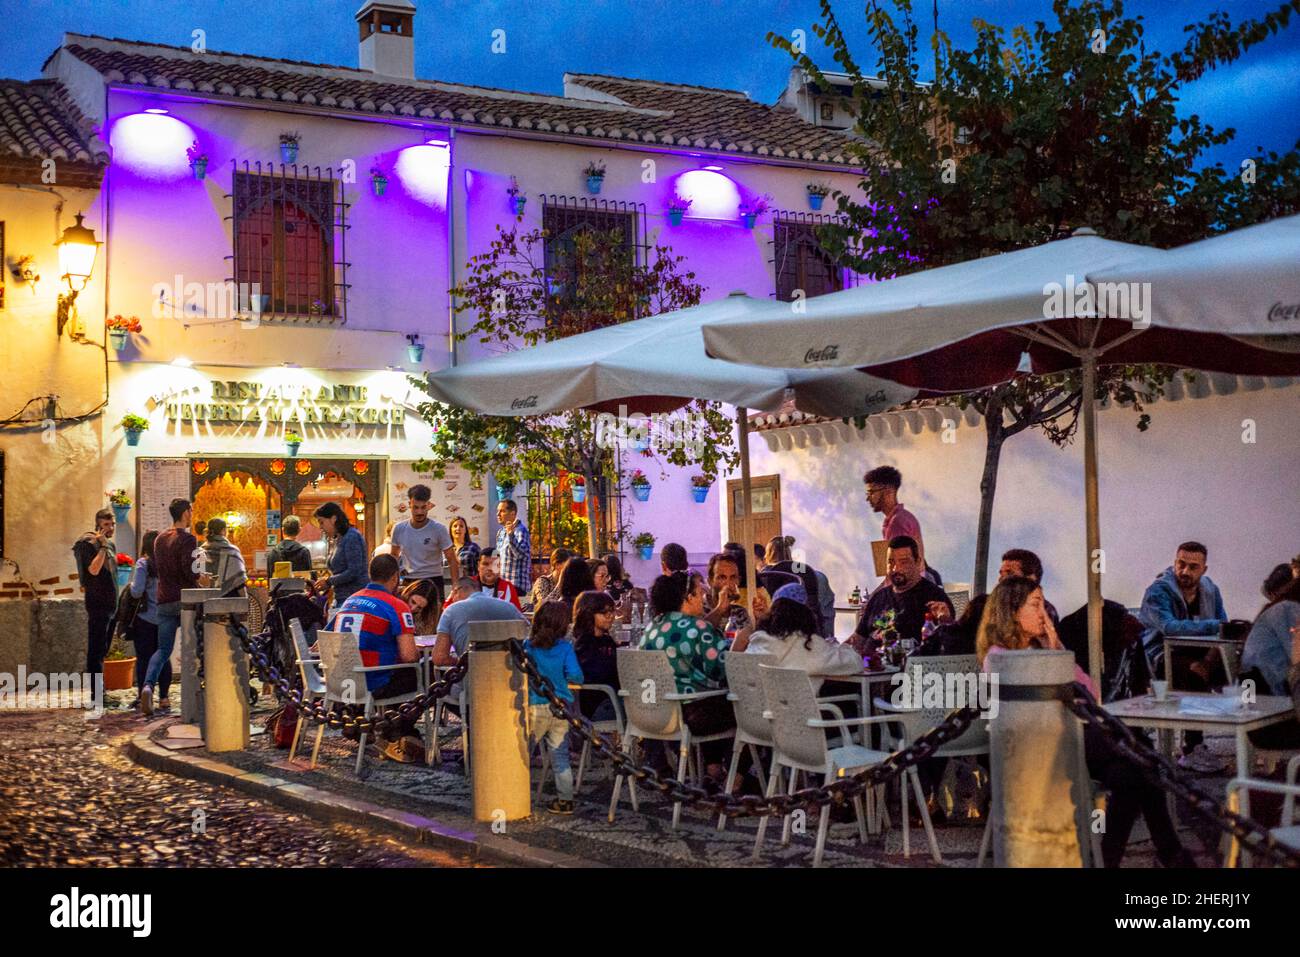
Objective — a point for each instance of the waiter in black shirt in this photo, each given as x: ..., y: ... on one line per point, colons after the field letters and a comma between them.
x: 907, y: 593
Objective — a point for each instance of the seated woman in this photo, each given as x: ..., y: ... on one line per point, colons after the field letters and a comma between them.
x: 677, y: 602
x: 421, y: 596
x: 1268, y: 657
x: 574, y: 580
x: 789, y: 635
x: 1015, y: 619
x: 593, y: 617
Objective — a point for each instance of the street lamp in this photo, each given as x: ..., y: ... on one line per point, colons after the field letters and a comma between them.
x: 77, y: 251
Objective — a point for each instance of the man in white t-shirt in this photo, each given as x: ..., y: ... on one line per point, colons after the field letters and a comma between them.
x: 421, y: 545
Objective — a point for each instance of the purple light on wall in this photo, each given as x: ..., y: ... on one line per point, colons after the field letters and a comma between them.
x: 152, y: 145
x: 423, y: 172
x: 712, y: 195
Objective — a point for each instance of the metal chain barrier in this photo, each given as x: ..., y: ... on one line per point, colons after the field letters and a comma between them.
x: 953, y: 726
x: 285, y: 691
x: 1167, y: 776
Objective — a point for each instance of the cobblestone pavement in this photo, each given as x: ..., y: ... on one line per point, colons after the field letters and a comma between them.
x: 69, y: 796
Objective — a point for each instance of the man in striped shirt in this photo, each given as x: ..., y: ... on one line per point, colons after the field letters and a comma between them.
x: 386, y: 633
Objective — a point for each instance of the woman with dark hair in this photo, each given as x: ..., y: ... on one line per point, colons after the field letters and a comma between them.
x: 422, y: 596
x: 593, y: 617
x: 144, y: 630
x: 780, y: 558
x: 789, y: 635
x: 574, y: 580
x: 1016, y: 619
x: 348, y: 566
x: 545, y: 585
x: 467, y: 550
x: 619, y: 582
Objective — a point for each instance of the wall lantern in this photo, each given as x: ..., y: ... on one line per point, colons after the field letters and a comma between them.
x: 77, y: 251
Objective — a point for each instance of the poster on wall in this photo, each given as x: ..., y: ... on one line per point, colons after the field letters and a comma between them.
x: 158, y: 481
x: 455, y: 495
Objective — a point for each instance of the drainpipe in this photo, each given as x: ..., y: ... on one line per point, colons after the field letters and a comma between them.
x: 451, y: 244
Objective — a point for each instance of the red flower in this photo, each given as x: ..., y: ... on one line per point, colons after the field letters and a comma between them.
x: 124, y: 559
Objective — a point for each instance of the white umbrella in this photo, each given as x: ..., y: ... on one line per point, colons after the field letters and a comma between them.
x: 657, y: 364
x: 967, y: 326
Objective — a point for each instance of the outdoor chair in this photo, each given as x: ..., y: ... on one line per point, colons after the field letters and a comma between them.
x: 440, y: 712
x: 1288, y: 831
x: 614, y: 725
x: 313, y: 680
x: 345, y: 683
x: 654, y: 713
x: 800, y: 744
x: 753, y: 729
x: 959, y: 594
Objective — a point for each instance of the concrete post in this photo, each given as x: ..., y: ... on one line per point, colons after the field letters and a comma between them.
x: 497, y: 701
x: 225, y: 685
x: 191, y: 608
x: 1035, y: 751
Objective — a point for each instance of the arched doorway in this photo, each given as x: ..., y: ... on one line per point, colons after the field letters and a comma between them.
x: 242, y: 500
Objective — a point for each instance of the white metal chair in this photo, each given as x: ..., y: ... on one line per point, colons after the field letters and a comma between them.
x: 313, y: 680
x: 440, y: 712
x: 1288, y: 831
x: 345, y: 682
x: 654, y: 713
x: 606, y: 726
x: 753, y: 729
x: 959, y: 593
x: 800, y: 744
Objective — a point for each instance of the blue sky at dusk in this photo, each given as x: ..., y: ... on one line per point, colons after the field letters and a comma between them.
x: 705, y: 42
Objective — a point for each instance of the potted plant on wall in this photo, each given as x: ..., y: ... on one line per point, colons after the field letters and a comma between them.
x: 414, y: 347
x: 289, y: 147
x: 517, y: 197
x: 124, y: 565
x: 645, y: 545
x: 751, y: 209
x: 505, y: 486
x: 133, y: 425
x: 292, y: 440
x: 119, y: 666
x: 578, y: 486
x: 378, y: 181
x: 595, y: 173
x: 640, y: 485
x: 198, y: 160
x: 700, y: 488
x: 676, y: 209
x: 817, y: 192
x: 120, y: 502
x: 118, y: 327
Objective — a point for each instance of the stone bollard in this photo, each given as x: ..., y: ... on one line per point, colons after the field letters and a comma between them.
x: 225, y: 677
x: 191, y: 608
x: 497, y: 701
x: 1036, y: 754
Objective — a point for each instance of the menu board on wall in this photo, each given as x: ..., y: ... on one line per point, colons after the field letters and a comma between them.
x: 455, y: 495
x: 158, y: 481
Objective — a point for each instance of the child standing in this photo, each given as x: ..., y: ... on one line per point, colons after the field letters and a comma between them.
x: 553, y: 654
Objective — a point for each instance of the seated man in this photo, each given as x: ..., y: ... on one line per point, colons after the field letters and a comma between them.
x: 490, y: 580
x: 1022, y: 563
x: 907, y: 593
x: 470, y: 603
x: 386, y: 637
x: 1184, y: 601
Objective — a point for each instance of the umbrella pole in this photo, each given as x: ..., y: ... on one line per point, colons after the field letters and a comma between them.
x: 1092, y: 511
x: 746, y: 521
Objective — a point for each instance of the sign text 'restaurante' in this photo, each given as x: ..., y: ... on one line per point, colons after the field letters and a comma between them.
x: 256, y: 401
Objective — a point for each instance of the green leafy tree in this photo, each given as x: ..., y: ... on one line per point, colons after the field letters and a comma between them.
x: 1023, y: 138
x: 517, y: 299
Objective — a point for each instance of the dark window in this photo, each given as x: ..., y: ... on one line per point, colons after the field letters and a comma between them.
x: 564, y: 223
x: 801, y: 263
x: 287, y: 230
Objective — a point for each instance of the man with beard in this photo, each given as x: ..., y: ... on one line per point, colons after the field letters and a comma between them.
x: 1183, y: 601
x: 907, y: 593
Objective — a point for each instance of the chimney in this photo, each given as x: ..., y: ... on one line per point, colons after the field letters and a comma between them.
x: 387, y: 43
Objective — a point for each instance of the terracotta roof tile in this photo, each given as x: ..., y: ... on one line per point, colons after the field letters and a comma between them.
x: 38, y: 121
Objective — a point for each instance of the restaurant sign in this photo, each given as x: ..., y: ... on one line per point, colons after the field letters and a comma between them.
x: 240, y: 402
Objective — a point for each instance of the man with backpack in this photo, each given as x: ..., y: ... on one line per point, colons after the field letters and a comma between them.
x: 290, y: 549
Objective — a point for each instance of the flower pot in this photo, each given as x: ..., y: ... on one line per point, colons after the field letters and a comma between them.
x: 289, y: 152
x: 504, y: 492
x: 123, y: 576
x: 579, y: 493
x: 517, y: 204
x: 293, y: 448
x: 646, y: 552
x: 119, y: 674
x: 749, y: 219
x: 699, y: 493
x: 200, y: 168
x: 641, y: 492
x: 120, y: 512
x: 378, y: 184
x: 133, y: 436
x: 117, y: 337
x: 675, y: 216
x: 641, y: 445
x: 815, y: 200
x: 415, y: 352
x: 594, y: 183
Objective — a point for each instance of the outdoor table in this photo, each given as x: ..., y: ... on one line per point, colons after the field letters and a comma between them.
x: 1145, y: 712
x: 1203, y: 642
